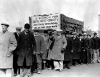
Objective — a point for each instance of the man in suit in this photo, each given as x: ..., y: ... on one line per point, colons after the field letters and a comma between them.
x: 39, y: 50
x: 15, y: 56
x: 75, y: 49
x: 26, y: 49
x: 67, y: 54
x: 96, y: 48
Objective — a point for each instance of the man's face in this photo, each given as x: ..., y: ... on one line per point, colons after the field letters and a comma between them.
x: 4, y: 28
x: 59, y: 33
x: 36, y: 33
x: 95, y: 35
x: 26, y: 30
x: 18, y: 31
x: 45, y: 34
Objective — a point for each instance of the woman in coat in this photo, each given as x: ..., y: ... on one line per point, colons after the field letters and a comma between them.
x: 7, y: 46
x: 57, y: 53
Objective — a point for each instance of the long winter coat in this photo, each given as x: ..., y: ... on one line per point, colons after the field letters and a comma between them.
x: 39, y: 47
x: 55, y: 53
x: 76, y: 48
x: 67, y: 54
x: 26, y: 46
x: 45, y: 55
x: 7, y: 45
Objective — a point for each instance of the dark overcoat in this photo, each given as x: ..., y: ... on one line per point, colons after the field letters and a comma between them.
x: 82, y: 53
x: 15, y: 56
x: 96, y: 43
x: 26, y: 46
x: 67, y: 54
x: 45, y: 55
x: 75, y: 48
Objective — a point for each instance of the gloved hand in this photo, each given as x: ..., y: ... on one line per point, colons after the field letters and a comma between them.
x: 63, y: 50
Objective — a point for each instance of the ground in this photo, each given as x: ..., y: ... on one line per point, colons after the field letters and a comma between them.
x: 91, y: 70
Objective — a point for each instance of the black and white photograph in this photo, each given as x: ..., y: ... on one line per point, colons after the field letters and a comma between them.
x: 49, y: 38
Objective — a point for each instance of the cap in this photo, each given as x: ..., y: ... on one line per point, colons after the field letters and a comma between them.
x: 95, y: 33
x: 58, y: 30
x: 84, y: 34
x: 18, y: 28
x: 36, y: 30
x: 74, y: 33
x: 27, y: 26
x: 5, y: 24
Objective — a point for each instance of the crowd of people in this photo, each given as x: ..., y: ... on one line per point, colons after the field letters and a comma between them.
x: 52, y: 49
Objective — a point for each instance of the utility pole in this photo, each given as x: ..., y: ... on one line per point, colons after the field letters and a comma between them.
x: 99, y: 25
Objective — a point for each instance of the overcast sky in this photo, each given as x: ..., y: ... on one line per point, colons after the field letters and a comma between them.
x: 15, y: 11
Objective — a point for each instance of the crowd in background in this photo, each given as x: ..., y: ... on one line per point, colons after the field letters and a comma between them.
x: 53, y: 50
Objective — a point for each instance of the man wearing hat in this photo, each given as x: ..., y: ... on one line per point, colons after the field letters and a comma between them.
x: 58, y: 48
x: 8, y: 44
x: 39, y: 50
x: 15, y: 56
x: 67, y: 54
x: 25, y: 50
x: 75, y: 49
x: 96, y: 48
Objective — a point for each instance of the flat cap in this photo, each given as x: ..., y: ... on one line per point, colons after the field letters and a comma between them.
x: 58, y: 30
x: 95, y: 33
x: 18, y: 28
x: 5, y: 24
x: 74, y: 33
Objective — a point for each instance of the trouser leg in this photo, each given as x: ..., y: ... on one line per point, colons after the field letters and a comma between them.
x: 61, y: 65
x: 56, y: 65
x: 39, y: 66
x: 95, y: 56
x: 39, y: 63
x: 91, y: 57
x: 9, y: 73
x: 98, y: 57
x: 43, y: 64
x: 2, y: 73
x: 73, y: 63
x: 15, y: 66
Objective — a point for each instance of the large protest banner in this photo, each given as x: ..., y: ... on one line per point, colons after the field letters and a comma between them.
x: 50, y: 21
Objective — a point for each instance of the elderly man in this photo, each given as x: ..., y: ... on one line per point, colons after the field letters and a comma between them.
x: 15, y: 56
x: 8, y: 44
x: 57, y: 52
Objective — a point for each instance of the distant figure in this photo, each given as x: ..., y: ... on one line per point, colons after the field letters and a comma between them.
x: 96, y: 47
x: 26, y: 49
x: 8, y: 44
x: 15, y: 56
